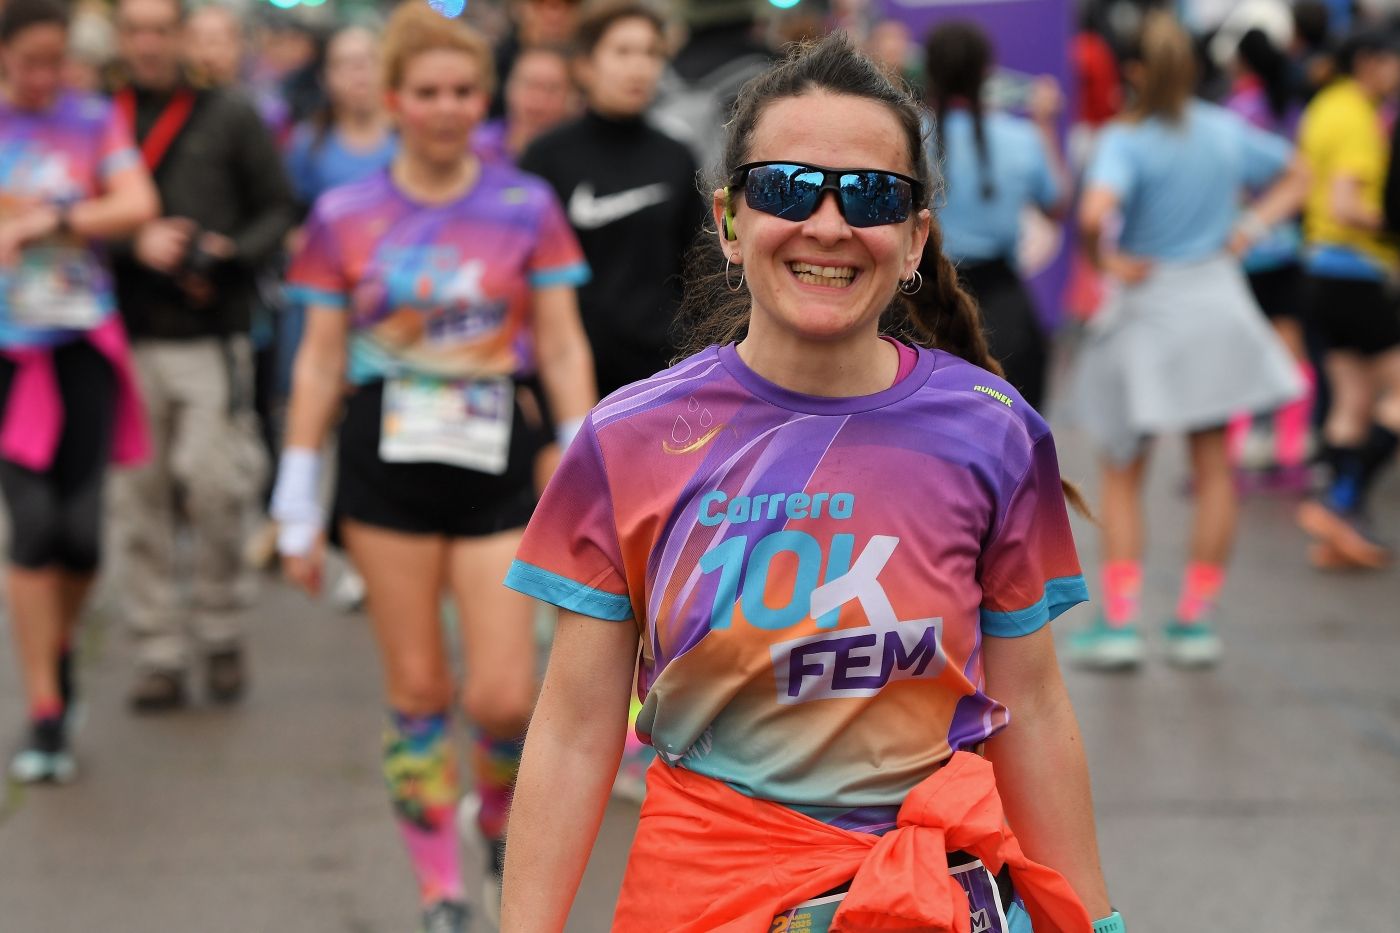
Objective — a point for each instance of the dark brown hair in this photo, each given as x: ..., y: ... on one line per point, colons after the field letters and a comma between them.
x: 598, y: 18
x: 956, y: 58
x: 939, y: 314
x: 18, y: 15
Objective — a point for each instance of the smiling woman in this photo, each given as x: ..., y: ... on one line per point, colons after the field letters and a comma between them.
x: 832, y: 605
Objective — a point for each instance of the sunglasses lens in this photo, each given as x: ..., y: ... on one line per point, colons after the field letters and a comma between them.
x: 873, y: 199
x: 787, y: 191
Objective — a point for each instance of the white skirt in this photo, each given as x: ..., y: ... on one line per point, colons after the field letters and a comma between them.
x: 1185, y: 350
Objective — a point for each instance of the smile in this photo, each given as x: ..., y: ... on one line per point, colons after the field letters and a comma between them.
x: 824, y: 276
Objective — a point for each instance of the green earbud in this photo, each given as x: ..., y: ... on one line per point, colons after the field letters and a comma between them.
x: 729, y: 233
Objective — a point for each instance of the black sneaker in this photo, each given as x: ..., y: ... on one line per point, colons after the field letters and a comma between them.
x: 45, y: 756
x: 446, y: 917
x: 225, y: 675
x: 158, y: 692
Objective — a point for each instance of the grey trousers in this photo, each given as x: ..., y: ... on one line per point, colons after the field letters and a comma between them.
x: 181, y: 520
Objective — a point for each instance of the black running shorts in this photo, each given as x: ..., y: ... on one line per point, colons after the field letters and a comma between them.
x: 1357, y: 315
x: 431, y: 498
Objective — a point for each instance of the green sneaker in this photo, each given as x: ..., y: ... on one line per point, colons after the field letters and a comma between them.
x: 1192, y: 645
x: 1102, y: 647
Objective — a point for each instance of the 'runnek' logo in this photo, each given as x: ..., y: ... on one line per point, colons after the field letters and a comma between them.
x: 999, y: 396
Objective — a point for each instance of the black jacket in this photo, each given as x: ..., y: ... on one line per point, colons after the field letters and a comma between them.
x: 630, y: 194
x: 224, y: 172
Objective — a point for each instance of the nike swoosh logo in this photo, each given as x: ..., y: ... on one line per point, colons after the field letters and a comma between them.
x: 590, y: 212
x: 696, y: 444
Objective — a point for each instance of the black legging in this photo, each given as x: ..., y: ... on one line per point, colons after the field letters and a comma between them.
x: 56, y: 515
x: 1014, y: 334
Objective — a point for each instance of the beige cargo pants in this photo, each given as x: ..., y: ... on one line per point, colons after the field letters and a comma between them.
x: 181, y: 520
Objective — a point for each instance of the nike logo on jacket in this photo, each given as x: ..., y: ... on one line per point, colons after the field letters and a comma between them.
x: 588, y: 211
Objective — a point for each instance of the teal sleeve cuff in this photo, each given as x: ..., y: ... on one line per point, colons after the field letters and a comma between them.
x: 307, y: 296
x: 1113, y: 923
x: 1060, y: 594
x: 567, y: 594
x: 576, y: 275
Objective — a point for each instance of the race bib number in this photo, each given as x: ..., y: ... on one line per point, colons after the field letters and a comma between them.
x: 55, y: 287
x: 985, y: 909
x: 459, y: 422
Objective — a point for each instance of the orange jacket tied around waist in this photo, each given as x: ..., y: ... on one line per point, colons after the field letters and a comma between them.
x: 706, y: 857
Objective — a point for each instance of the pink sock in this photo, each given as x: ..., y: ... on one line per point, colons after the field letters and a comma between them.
x: 52, y: 709
x: 1200, y: 591
x: 1292, y: 421
x: 1122, y: 592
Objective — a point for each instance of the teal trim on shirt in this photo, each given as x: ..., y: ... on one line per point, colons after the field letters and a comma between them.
x: 567, y: 594
x: 575, y: 275
x: 306, y: 296
x: 1060, y: 594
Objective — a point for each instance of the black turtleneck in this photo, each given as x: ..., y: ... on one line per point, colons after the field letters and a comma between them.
x: 630, y: 194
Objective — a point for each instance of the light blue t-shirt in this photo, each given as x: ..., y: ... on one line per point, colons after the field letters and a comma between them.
x: 315, y: 169
x: 981, y: 228
x: 1180, y: 185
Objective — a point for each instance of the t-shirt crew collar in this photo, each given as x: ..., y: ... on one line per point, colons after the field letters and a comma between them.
x: 775, y: 394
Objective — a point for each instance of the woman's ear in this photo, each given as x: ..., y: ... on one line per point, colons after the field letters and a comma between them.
x: 923, y: 222
x: 722, y: 209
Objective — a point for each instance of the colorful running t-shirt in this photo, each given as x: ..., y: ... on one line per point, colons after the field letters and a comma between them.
x: 1343, y: 135
x: 59, y: 287
x: 812, y: 577
x: 437, y: 289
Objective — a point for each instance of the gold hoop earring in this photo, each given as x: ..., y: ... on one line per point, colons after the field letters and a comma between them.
x: 728, y: 284
x: 911, y: 285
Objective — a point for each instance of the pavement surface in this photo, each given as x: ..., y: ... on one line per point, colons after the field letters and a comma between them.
x: 1261, y: 797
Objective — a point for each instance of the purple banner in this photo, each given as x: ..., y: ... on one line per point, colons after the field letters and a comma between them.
x: 1031, y: 37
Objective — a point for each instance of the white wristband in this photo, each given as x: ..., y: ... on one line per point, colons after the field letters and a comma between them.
x: 296, y: 504
x: 566, y: 431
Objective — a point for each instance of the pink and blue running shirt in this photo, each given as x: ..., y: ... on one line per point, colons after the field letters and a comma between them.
x: 438, y: 289
x: 813, y: 577
x: 60, y: 155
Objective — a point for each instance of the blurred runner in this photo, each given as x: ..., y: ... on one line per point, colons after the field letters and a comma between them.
x: 539, y: 96
x: 185, y: 288
x: 1182, y: 346
x: 548, y: 23
x: 995, y: 166
x: 735, y: 514
x: 70, y: 177
x: 440, y: 290
x: 352, y: 136
x: 1276, y: 446
x: 1350, y: 304
x: 92, y: 49
x: 630, y: 193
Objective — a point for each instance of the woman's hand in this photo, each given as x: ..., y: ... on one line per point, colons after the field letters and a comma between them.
x: 1130, y: 270
x: 1046, y: 101
x: 29, y: 226
x: 307, y: 571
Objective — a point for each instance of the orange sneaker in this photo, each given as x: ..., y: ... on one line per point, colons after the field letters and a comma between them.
x: 1346, y: 536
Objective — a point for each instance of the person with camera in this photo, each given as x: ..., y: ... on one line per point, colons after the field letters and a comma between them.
x: 184, y: 287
